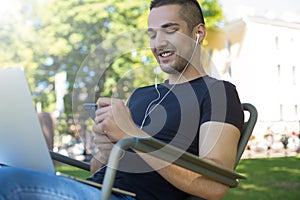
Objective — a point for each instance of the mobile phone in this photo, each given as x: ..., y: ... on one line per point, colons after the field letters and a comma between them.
x: 91, y: 109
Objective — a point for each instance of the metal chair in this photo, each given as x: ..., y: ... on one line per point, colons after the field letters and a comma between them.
x: 171, y: 153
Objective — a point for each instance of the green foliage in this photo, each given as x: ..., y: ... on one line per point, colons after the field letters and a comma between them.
x: 18, y: 47
x: 75, y: 28
x: 212, y: 12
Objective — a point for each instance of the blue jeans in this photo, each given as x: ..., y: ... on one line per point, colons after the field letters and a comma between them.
x: 20, y: 184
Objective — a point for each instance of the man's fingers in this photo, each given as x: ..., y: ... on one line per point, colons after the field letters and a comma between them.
x: 104, y: 101
x: 102, y: 110
x: 102, y: 139
x: 101, y: 114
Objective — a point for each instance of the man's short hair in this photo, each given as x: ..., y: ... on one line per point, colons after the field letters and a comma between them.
x: 190, y: 11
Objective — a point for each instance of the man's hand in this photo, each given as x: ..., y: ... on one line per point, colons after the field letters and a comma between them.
x: 113, y: 119
x: 104, y: 146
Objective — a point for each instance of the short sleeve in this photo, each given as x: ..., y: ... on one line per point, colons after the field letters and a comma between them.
x: 222, y: 104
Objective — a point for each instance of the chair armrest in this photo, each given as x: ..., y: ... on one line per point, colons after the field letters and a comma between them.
x: 69, y: 161
x: 168, y: 153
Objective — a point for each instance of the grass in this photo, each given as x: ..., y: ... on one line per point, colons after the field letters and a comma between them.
x: 72, y: 171
x: 267, y: 178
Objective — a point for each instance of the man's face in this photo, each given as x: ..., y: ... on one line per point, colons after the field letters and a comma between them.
x: 169, y: 38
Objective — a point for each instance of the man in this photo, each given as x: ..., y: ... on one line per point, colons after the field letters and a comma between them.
x: 190, y: 110
x: 171, y: 25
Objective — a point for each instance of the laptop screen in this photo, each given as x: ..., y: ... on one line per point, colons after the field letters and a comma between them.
x: 22, y: 143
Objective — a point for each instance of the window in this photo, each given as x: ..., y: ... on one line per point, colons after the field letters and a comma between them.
x: 279, y: 73
x: 228, y: 46
x: 281, y: 112
x: 228, y: 69
x: 294, y: 75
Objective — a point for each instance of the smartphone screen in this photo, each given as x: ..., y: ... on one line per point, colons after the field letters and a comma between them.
x: 91, y: 109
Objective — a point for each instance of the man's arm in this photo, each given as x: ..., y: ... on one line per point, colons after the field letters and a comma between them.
x: 223, y: 153
x: 114, y: 118
x: 95, y: 165
x: 104, y: 146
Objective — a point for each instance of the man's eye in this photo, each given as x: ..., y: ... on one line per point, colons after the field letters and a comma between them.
x: 151, y: 34
x: 170, y: 31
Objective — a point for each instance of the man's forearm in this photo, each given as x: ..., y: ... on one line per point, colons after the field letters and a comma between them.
x: 186, y: 180
x: 193, y: 183
x: 95, y: 165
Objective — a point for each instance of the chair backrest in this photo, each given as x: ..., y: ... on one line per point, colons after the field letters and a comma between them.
x: 247, y: 129
x: 245, y: 135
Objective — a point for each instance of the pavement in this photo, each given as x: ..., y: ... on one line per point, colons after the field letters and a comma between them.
x: 248, y: 154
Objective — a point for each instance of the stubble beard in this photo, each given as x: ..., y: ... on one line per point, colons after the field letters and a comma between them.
x: 174, y: 68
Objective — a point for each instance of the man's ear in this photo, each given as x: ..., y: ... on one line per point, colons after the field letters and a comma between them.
x: 201, y: 30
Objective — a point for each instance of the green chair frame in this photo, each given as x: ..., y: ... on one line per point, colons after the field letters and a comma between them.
x: 171, y: 154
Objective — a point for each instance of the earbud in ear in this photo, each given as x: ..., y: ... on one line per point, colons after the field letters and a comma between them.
x: 197, y: 37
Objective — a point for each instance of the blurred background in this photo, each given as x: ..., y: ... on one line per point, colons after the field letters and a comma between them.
x: 72, y: 53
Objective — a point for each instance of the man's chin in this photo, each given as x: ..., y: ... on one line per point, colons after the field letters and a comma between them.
x: 169, y: 69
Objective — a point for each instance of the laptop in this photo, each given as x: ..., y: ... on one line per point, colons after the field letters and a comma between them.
x: 22, y: 142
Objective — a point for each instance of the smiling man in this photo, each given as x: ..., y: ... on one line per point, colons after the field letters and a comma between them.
x: 200, y: 114
x: 170, y: 34
x: 190, y: 110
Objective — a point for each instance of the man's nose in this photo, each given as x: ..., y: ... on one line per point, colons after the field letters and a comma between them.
x: 161, y: 40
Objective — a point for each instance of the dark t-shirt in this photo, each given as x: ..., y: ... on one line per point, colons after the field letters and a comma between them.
x: 174, y: 117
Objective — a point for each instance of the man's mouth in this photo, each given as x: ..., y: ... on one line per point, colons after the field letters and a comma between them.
x: 166, y: 54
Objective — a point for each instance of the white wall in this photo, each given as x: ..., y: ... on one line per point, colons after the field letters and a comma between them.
x: 266, y: 71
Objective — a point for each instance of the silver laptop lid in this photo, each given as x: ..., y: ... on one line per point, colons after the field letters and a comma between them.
x: 22, y: 143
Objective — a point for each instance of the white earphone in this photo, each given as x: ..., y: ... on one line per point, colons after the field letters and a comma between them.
x: 197, y: 38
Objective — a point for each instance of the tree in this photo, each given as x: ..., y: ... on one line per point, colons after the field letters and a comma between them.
x: 212, y: 12
x: 73, y: 29
x: 17, y: 36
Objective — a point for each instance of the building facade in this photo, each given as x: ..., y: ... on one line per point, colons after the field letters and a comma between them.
x: 261, y: 57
